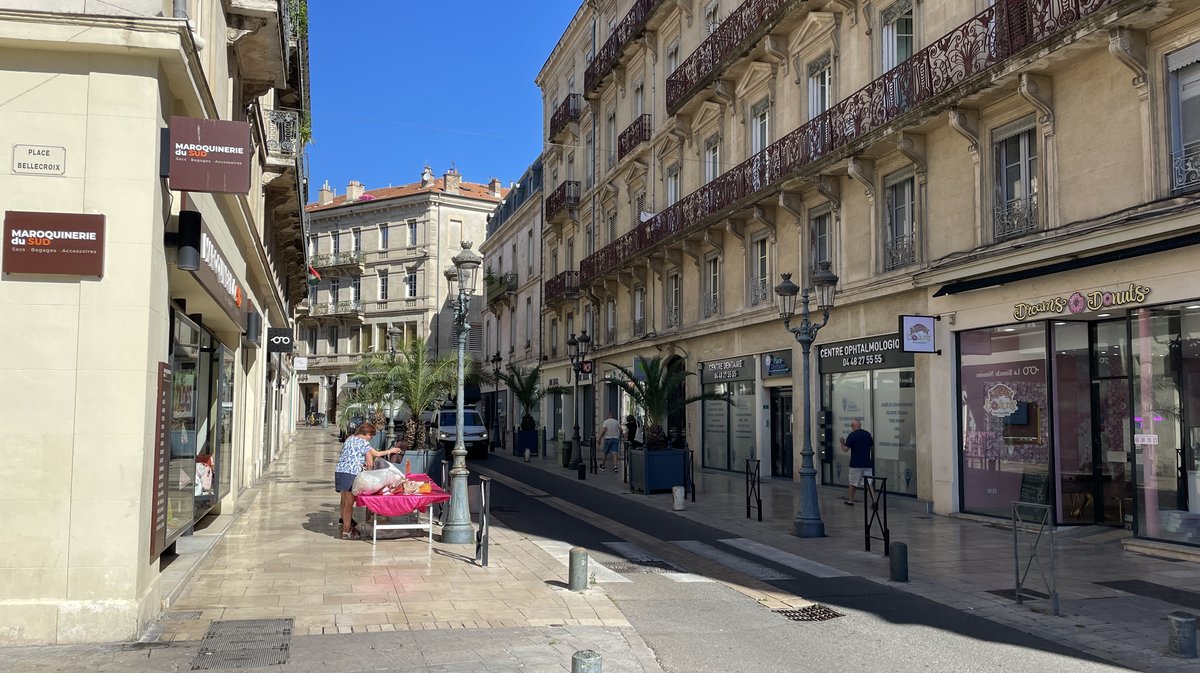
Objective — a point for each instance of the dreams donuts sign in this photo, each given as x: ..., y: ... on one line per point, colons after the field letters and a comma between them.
x: 1083, y: 302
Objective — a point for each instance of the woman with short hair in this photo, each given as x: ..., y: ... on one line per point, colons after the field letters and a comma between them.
x: 356, y: 453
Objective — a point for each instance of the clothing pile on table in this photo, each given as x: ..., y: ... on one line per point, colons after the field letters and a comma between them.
x: 386, y: 479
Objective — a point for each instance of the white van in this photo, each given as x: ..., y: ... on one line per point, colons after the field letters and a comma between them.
x: 475, y: 434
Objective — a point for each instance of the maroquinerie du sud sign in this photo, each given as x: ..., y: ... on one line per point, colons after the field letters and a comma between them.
x: 1080, y: 302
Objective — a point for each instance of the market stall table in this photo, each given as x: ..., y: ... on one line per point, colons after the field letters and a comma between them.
x: 399, y: 504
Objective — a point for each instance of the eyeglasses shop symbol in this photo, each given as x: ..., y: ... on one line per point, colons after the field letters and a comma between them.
x: 279, y: 340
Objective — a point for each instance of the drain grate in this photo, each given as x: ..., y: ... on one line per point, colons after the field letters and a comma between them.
x: 1026, y: 593
x: 244, y: 643
x: 645, y: 566
x: 180, y: 616
x: 810, y: 613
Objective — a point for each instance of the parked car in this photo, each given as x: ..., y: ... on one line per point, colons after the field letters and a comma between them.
x: 475, y: 434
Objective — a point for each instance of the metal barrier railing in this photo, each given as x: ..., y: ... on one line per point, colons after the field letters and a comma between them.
x: 1035, y: 528
x: 485, y: 511
x: 689, y: 476
x: 593, y: 464
x: 625, y: 463
x: 875, y: 513
x: 443, y: 506
x: 753, y: 487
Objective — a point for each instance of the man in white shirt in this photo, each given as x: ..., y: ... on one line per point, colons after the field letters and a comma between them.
x: 610, y: 432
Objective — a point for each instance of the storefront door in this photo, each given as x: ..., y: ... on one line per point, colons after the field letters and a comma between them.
x: 781, y: 432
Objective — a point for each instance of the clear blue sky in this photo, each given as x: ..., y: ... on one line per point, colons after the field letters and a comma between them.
x: 397, y: 84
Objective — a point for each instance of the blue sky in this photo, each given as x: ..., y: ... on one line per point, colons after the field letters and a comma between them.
x: 397, y: 84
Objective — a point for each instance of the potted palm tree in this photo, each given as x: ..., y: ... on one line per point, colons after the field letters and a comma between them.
x: 655, y: 467
x: 525, y: 385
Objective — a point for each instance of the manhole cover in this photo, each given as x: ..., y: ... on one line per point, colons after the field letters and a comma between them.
x: 643, y: 566
x: 811, y: 613
x: 180, y: 616
x: 244, y: 643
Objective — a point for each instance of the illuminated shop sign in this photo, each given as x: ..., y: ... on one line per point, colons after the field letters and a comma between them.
x: 1080, y: 302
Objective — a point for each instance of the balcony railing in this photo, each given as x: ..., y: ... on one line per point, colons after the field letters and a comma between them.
x: 630, y: 29
x: 639, y: 326
x: 672, y: 316
x: 500, y: 287
x: 565, y: 196
x: 962, y: 56
x: 563, y: 285
x: 760, y: 291
x: 283, y: 133
x: 336, y: 308
x: 735, y: 36
x: 1015, y: 218
x: 1185, y: 168
x: 635, y: 134
x: 712, y: 305
x: 328, y: 260
x: 899, y: 251
x: 568, y: 111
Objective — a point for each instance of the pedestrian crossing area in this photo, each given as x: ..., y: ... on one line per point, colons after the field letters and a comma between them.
x: 622, y: 561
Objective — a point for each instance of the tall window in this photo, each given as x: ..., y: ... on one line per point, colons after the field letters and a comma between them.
x: 335, y: 242
x: 356, y: 239
x: 589, y: 319
x: 589, y: 237
x: 554, y: 262
x: 412, y: 232
x: 672, y: 184
x: 672, y: 301
x: 610, y: 138
x: 639, y: 311
x: 335, y: 289
x: 512, y: 331
x: 528, y: 321
x: 356, y: 289
x: 760, y: 126
x: 554, y: 337
x: 312, y: 340
x: 899, y: 211
x: 383, y: 286
x: 639, y: 100
x: 639, y: 207
x: 672, y: 57
x: 1183, y: 68
x: 712, y: 17
x: 897, y: 23
x: 1015, y: 211
x: 332, y: 336
x: 820, y: 85
x: 312, y: 245
x: 819, y: 241
x: 516, y: 266
x: 760, y: 273
x: 588, y: 161
x: 383, y: 236
x: 712, y: 286
x: 312, y: 296
x: 529, y: 251
x: 410, y: 285
x: 612, y: 225
x: 571, y: 167
x: 712, y: 158
x: 610, y: 322
x: 571, y: 253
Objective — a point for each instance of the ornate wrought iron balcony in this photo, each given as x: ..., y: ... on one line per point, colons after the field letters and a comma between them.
x: 630, y: 29
x: 337, y: 309
x: 564, y: 197
x: 283, y: 133
x: 500, y: 287
x: 672, y: 316
x: 565, y: 284
x: 635, y: 134
x: 568, y: 111
x: 1016, y: 218
x: 960, y: 59
x: 734, y: 37
x: 899, y: 251
x: 331, y: 260
x: 639, y: 326
x: 712, y: 305
x: 1185, y: 169
x: 760, y: 291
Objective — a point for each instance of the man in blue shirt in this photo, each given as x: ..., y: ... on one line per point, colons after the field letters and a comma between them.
x: 859, y: 445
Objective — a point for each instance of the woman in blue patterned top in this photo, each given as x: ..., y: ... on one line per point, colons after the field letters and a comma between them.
x: 356, y: 453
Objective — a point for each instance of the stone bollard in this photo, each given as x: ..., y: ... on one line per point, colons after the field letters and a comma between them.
x: 582, y: 470
x: 577, y: 569
x: 586, y: 661
x: 678, y: 498
x: 899, y: 561
x: 1181, y: 637
x: 527, y: 455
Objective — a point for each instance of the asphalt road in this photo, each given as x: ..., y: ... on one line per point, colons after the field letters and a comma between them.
x: 701, y: 627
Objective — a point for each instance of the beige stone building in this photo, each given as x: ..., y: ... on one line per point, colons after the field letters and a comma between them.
x: 381, y: 255
x: 1024, y: 173
x: 139, y: 396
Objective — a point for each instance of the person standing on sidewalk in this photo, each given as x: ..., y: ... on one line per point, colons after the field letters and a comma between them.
x: 356, y: 453
x: 610, y: 432
x: 859, y: 445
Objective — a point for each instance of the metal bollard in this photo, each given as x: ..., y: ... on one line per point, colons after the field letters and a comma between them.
x: 899, y: 561
x: 577, y: 569
x: 1181, y: 637
x: 586, y: 661
x: 582, y: 471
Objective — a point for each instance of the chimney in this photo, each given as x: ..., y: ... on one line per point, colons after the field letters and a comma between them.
x: 326, y: 195
x: 354, y: 191
x: 452, y: 180
x: 494, y: 187
x: 427, y: 177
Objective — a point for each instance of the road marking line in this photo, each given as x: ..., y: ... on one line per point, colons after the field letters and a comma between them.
x: 783, y: 558
x: 742, y: 565
x: 561, y: 551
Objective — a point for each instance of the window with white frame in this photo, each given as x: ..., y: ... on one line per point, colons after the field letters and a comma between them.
x: 639, y: 207
x: 639, y: 311
x: 529, y: 256
x: 588, y: 163
x: 312, y: 246
x: 335, y: 242
x: 610, y: 138
x: 612, y: 225
x: 672, y: 57
x: 412, y: 232
x: 1016, y: 163
x: 512, y: 331
x: 570, y: 85
x: 712, y: 286
x: 383, y: 285
x: 712, y: 158
x: 610, y: 322
x: 672, y: 181
x: 589, y: 320
x: 760, y: 271
x: 312, y: 340
x: 335, y: 289
x: 899, y: 245
x: 332, y: 337
x: 383, y: 236
x: 712, y: 17
x: 819, y: 240
x: 1183, y: 81
x: 554, y: 337
x: 410, y: 285
x: 760, y: 126
x: 528, y: 322
x: 672, y: 305
x: 639, y: 99
x: 897, y: 21
x: 312, y: 297
x: 820, y: 84
x: 356, y: 289
x: 356, y: 239
x: 590, y: 239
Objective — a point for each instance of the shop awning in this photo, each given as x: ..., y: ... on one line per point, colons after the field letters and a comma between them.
x: 1067, y: 265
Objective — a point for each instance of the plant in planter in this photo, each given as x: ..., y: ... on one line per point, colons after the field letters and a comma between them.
x: 655, y: 393
x: 524, y: 384
x: 407, y: 378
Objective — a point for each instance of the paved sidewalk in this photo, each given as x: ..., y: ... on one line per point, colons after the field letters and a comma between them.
x: 959, y: 562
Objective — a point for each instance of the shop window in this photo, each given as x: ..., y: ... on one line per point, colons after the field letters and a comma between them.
x: 899, y: 213
x: 1005, y: 418
x: 883, y: 401
x: 820, y: 84
x: 1016, y: 163
x: 1183, y: 68
x: 760, y: 126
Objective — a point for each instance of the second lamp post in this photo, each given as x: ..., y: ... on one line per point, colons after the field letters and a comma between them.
x: 496, y: 360
x: 577, y: 348
x: 457, y: 529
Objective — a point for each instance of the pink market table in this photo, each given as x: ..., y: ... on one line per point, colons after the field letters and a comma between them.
x: 397, y: 505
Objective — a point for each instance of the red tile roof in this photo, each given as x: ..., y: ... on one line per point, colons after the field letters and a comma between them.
x: 469, y: 190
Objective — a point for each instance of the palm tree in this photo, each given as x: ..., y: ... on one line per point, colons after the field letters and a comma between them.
x: 524, y: 384
x: 408, y: 378
x: 655, y: 393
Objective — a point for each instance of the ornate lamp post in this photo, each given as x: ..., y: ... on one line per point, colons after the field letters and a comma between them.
x: 390, y: 429
x: 808, y: 521
x: 577, y: 348
x: 496, y: 360
x: 458, y: 529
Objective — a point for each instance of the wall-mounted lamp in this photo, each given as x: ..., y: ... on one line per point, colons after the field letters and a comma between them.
x: 253, y: 336
x: 187, y: 241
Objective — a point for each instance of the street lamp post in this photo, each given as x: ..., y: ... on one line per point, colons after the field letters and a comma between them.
x: 577, y: 348
x: 808, y: 521
x: 496, y: 360
x: 458, y: 529
x: 390, y: 429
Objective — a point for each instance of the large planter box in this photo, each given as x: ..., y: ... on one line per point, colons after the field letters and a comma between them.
x: 425, y: 461
x: 526, y: 439
x: 656, y: 471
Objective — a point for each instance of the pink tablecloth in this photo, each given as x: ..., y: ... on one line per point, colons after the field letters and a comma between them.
x: 399, y: 505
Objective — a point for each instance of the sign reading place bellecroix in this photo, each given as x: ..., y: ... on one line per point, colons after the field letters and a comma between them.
x: 209, y: 155
x: 61, y: 244
x: 880, y: 352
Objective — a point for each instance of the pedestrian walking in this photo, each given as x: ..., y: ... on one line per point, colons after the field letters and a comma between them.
x: 859, y: 445
x: 610, y: 432
x: 356, y: 453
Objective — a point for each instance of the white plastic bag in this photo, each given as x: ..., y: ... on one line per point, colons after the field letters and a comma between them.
x: 385, y: 474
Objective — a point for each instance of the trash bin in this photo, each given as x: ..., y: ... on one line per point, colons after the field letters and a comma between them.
x: 565, y: 447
